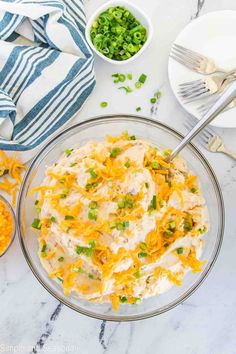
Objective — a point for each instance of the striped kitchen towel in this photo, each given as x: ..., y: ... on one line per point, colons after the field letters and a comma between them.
x: 46, y: 69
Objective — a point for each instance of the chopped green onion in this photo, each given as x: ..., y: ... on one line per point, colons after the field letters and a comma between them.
x: 92, y: 244
x: 69, y: 217
x: 126, y: 223
x: 117, y: 34
x: 123, y: 299
x: 202, y: 230
x: 158, y: 94
x: 142, y: 254
x: 120, y: 227
x: 122, y: 77
x: 121, y: 204
x: 75, y: 269
x: 137, y: 300
x: 137, y: 274
x: 180, y: 250
x: 138, y: 109
x: 153, y: 204
x: 172, y: 225
x: 65, y: 193
x: 115, y: 152
x: 68, y: 152
x: 43, y: 251
x: 36, y: 224
x: 153, y: 100
x: 130, y: 76
x: 79, y: 250
x: 112, y: 224
x: 93, y: 205
x: 187, y: 226
x: 36, y: 202
x: 132, y: 137
x: 147, y: 185
x: 53, y: 219
x: 127, y: 89
x: 103, y: 104
x: 127, y: 164
x: 60, y: 259
x: 138, y: 84
x: 87, y: 251
x: 92, y: 214
x: 91, y: 276
x: 155, y: 165
x: 193, y: 190
x: 142, y: 78
x: 72, y: 164
x: 143, y: 246
x: 91, y: 185
x: 92, y: 173
x: 166, y: 153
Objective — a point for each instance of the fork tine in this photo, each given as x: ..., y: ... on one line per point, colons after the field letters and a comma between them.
x: 203, y: 141
x: 189, y: 51
x: 191, y: 67
x: 209, y: 131
x: 185, y: 57
x: 205, y: 134
x: 195, y: 94
x: 190, y: 82
x: 189, y: 88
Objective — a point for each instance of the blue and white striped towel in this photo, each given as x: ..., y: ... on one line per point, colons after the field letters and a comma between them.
x: 43, y: 83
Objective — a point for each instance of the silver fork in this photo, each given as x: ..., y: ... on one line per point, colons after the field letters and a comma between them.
x: 194, y: 61
x: 210, y: 140
x: 196, y: 89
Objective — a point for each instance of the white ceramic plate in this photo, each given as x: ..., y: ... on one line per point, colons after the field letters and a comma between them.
x: 213, y: 35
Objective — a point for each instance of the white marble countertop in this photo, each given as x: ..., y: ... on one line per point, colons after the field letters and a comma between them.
x: 32, y: 321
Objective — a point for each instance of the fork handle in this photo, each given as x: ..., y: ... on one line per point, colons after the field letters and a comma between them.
x: 226, y: 151
x: 217, y: 107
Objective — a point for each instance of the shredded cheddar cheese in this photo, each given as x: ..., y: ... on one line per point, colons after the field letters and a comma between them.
x: 6, y: 227
x: 14, y: 168
x: 113, y: 218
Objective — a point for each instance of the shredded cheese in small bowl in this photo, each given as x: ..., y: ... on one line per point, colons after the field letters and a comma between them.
x: 7, y: 226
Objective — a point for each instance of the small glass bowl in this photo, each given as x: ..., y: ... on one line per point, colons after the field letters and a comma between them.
x: 9, y: 207
x: 158, y: 134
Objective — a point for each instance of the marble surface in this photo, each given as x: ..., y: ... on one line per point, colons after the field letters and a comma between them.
x: 32, y: 321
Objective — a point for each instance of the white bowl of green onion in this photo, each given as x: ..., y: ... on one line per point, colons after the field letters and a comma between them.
x: 119, y: 32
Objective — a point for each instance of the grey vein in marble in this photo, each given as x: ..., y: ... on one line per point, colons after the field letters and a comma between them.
x: 48, y: 330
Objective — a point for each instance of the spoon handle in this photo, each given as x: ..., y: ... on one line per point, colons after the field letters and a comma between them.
x: 218, y: 107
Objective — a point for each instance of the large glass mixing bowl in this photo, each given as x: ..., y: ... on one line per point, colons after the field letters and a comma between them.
x: 158, y: 134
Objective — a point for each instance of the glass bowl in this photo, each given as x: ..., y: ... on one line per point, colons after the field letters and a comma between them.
x: 9, y: 207
x: 158, y: 134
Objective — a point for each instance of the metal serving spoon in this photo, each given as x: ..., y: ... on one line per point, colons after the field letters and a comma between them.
x: 223, y: 101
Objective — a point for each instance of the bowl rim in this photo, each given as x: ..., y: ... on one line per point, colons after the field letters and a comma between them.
x: 10, y: 208
x: 205, y: 273
x: 106, y: 6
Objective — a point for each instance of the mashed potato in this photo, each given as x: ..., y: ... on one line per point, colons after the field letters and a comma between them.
x: 117, y: 223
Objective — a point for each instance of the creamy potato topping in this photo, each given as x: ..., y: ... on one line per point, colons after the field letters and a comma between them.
x: 117, y: 223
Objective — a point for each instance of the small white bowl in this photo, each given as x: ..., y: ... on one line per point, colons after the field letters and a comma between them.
x: 137, y: 13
